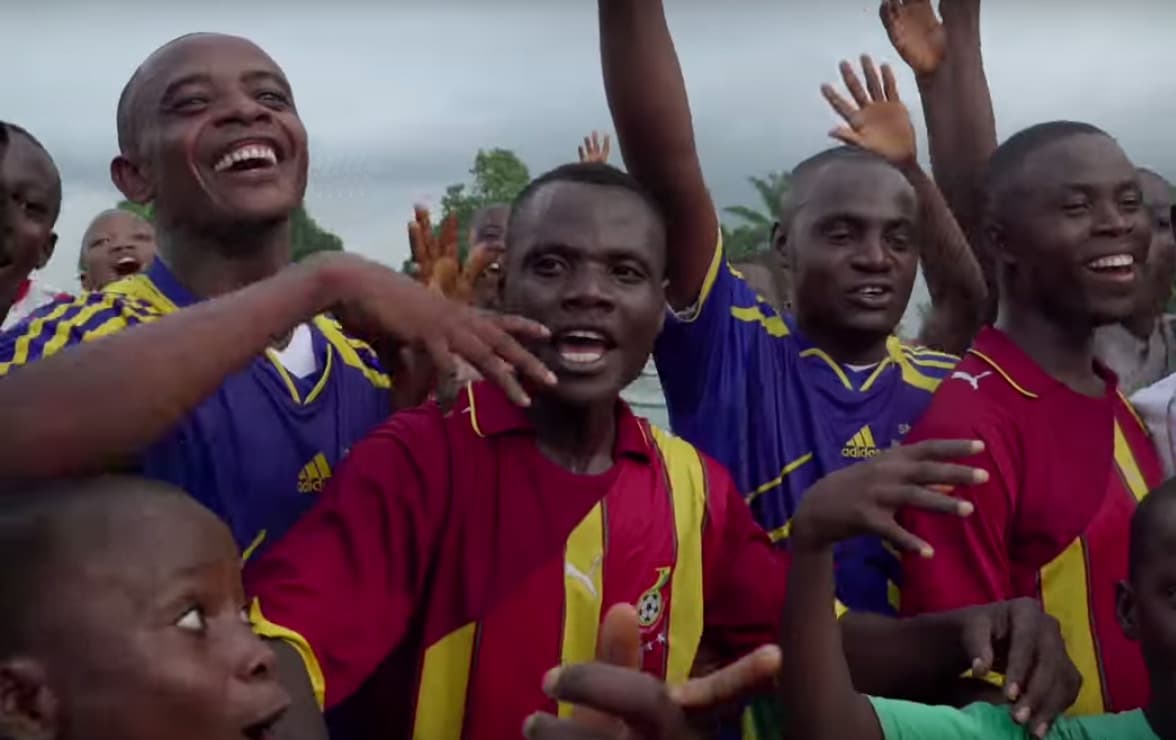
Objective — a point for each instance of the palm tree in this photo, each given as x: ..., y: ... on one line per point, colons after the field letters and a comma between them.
x: 752, y: 235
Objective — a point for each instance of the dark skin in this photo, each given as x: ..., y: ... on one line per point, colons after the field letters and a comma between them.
x: 820, y: 689
x: 116, y: 244
x: 225, y: 234
x: 1072, y: 201
x: 34, y: 189
x: 656, y: 138
x: 1145, y: 613
x: 147, y: 635
x: 1160, y: 269
x: 488, y: 231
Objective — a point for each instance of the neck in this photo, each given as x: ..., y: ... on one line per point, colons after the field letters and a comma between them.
x: 209, y: 264
x: 578, y: 438
x: 1064, y: 351
x: 1141, y: 325
x: 847, y: 346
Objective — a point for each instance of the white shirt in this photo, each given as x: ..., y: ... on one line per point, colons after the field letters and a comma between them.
x: 34, y: 295
x: 1156, y: 405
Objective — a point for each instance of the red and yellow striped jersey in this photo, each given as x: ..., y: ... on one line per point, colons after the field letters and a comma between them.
x: 1067, y: 471
x: 450, y: 564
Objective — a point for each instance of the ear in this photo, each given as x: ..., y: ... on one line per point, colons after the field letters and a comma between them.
x: 28, y: 707
x: 47, y: 251
x: 131, y: 180
x: 1126, y: 609
x: 996, y: 237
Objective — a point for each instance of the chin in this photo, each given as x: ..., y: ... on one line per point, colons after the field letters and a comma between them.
x: 586, y: 391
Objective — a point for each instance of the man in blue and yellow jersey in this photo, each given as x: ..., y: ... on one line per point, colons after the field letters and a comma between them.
x: 248, y: 400
x: 783, y: 400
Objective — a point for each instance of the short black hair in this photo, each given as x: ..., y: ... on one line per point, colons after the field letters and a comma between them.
x: 43, y: 528
x: 1004, y: 166
x: 126, y: 114
x: 805, y: 173
x: 11, y: 131
x: 588, y: 173
x: 1152, y: 512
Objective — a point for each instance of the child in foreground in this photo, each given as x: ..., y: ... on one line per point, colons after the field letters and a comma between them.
x: 821, y: 695
x: 124, y: 618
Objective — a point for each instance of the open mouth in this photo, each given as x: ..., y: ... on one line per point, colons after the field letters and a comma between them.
x: 247, y: 158
x: 263, y: 730
x: 1115, y: 266
x: 582, y: 348
x: 872, y: 296
x: 127, y: 266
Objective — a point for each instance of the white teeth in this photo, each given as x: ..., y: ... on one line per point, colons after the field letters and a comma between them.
x: 127, y: 261
x: 1114, y: 260
x: 245, y: 153
x: 573, y: 357
x: 871, y: 290
x: 593, y: 336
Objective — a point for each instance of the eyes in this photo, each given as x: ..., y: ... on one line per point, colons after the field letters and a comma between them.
x: 1077, y: 204
x: 624, y: 271
x: 843, y: 232
x: 197, y: 100
x: 195, y: 619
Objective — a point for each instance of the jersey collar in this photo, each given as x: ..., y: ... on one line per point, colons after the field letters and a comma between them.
x: 997, y: 350
x: 492, y: 414
x: 166, y: 283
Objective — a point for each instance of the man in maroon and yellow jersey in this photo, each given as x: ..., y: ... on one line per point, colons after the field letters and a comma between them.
x: 458, y: 555
x: 1068, y: 458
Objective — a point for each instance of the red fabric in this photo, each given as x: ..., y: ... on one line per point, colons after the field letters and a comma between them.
x: 428, y: 526
x: 1050, y: 454
x: 23, y: 290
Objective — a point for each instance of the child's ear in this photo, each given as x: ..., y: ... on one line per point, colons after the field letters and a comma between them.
x: 1127, y: 610
x: 28, y: 707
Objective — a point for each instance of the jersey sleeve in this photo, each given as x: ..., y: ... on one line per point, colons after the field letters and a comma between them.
x: 343, y: 584
x: 904, y: 720
x: 745, y: 577
x: 971, y: 563
x: 55, y: 326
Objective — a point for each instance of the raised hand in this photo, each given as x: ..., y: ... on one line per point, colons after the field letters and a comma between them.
x: 877, y: 121
x: 615, y: 701
x: 863, y: 499
x: 916, y: 33
x: 592, y: 150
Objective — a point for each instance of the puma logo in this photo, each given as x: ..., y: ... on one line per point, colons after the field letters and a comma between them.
x: 973, y: 380
x: 584, y: 579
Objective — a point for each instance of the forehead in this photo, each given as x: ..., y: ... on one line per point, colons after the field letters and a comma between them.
x: 26, y: 164
x: 1157, y: 193
x: 1081, y: 160
x: 205, y: 55
x: 863, y: 189
x: 118, y: 221
x: 586, y: 216
x: 491, y: 217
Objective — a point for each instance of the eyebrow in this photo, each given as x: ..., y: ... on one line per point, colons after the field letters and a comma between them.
x: 262, y: 75
x: 201, y: 78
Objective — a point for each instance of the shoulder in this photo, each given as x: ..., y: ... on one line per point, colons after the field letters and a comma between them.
x: 930, y: 362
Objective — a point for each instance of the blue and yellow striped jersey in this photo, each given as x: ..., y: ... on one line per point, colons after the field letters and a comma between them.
x: 263, y: 445
x: 746, y: 388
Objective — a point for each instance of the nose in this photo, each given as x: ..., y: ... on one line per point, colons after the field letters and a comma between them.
x: 871, y: 255
x: 255, y: 659
x: 243, y: 109
x: 589, y: 287
x: 1110, y: 220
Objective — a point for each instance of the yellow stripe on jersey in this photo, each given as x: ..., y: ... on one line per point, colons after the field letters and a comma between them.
x: 876, y: 374
x: 774, y: 325
x: 445, y: 677
x: 688, y: 487
x: 1065, y: 597
x: 140, y: 287
x: 814, y: 352
x: 718, y: 259
x: 779, y: 479
x: 583, y: 591
x: 1128, y: 468
x: 266, y: 628
x: 348, y: 352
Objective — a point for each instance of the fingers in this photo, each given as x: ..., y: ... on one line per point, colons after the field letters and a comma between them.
x: 1057, y: 693
x: 843, y: 107
x: 847, y: 136
x: 977, y: 640
x: 889, y: 84
x: 416, y: 246
x: 607, y: 148
x: 520, y: 327
x: 736, y: 681
x: 448, y: 242
x: 637, y: 698
x: 944, y: 449
x: 595, y: 142
x: 928, y: 500
x: 545, y: 727
x: 1024, y: 628
x: 438, y: 352
x: 873, y: 81
x: 893, y: 532
x: 946, y: 475
x: 853, y: 84
x: 620, y: 638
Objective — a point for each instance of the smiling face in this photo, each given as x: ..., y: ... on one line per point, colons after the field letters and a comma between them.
x: 210, y: 134
x: 588, y: 262
x: 1160, y: 268
x: 147, y: 637
x: 117, y: 243
x: 1072, y: 232
x: 851, y: 242
x: 33, y: 186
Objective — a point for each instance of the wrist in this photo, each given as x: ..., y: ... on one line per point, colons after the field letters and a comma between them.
x: 805, y: 538
x: 325, y: 277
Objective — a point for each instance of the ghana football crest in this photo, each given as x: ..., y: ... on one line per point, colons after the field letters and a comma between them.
x: 652, y: 603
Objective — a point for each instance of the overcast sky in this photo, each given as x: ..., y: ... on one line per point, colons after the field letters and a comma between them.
x: 397, y: 96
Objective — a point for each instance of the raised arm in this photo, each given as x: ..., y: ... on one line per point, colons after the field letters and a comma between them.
x: 651, y: 115
x: 103, y: 402
x: 957, y: 104
x: 876, y: 120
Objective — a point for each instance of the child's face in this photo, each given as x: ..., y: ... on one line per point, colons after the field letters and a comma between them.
x: 34, y: 196
x: 116, y: 245
x: 150, y: 638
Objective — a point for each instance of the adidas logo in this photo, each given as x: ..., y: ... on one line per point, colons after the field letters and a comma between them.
x: 861, y: 445
x: 314, y: 475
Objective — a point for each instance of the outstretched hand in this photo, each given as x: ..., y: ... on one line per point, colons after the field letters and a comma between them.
x: 877, y: 121
x: 593, y: 151
x: 615, y: 701
x: 863, y: 499
x: 435, y: 254
x: 916, y: 33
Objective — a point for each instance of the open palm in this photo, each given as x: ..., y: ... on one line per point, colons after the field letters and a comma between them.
x: 876, y: 120
x: 916, y: 33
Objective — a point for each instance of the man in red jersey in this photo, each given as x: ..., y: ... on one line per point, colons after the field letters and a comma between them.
x: 457, y: 556
x: 1068, y: 458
